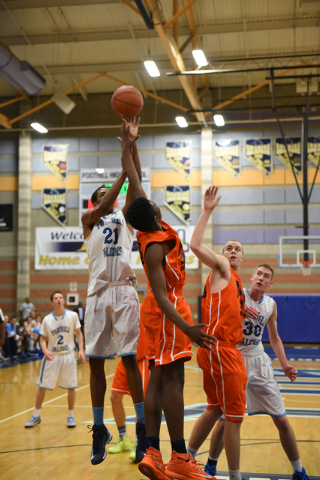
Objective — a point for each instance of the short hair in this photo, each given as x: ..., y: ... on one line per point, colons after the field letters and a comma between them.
x: 265, y: 265
x: 242, y: 249
x: 94, y: 196
x: 53, y: 294
x: 140, y: 214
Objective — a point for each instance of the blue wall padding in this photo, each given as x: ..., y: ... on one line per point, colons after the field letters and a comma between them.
x: 298, y: 318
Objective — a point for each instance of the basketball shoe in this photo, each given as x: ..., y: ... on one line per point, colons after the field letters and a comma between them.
x: 211, y: 470
x: 300, y: 475
x: 142, y: 442
x: 183, y: 466
x: 33, y: 422
x: 71, y: 423
x: 152, y: 465
x: 100, y: 438
x: 132, y: 455
x: 122, y: 444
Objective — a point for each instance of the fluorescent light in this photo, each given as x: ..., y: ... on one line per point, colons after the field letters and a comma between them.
x: 218, y: 120
x: 39, y: 127
x: 182, y: 122
x: 152, y: 68
x: 100, y: 170
x: 200, y: 58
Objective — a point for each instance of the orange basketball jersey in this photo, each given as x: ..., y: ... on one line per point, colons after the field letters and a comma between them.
x: 175, y: 260
x: 224, y: 310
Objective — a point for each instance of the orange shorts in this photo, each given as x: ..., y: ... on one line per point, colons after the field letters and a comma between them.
x: 165, y: 342
x: 120, y: 384
x: 224, y: 379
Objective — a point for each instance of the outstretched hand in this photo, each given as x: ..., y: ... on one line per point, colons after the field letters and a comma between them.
x: 198, y: 336
x: 210, y: 200
x: 129, y: 132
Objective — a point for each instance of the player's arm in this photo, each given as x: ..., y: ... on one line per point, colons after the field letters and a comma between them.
x: 129, y: 135
x: 90, y: 217
x: 154, y: 259
x: 80, y: 343
x: 43, y: 344
x: 277, y: 345
x: 205, y: 254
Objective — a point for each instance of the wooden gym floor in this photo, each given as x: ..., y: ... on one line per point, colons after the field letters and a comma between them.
x: 52, y: 451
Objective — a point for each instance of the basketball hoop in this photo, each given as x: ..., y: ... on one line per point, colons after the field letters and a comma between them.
x: 306, y: 267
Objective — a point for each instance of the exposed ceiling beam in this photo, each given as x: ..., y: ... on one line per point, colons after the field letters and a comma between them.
x: 175, y: 58
x: 28, y: 4
x: 253, y: 25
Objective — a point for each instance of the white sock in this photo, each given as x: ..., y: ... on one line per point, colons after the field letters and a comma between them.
x: 214, y: 459
x: 234, y: 475
x: 296, y: 465
x: 192, y: 451
x: 37, y: 412
x: 70, y: 413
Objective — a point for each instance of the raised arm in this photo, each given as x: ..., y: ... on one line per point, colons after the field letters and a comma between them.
x: 129, y: 135
x: 90, y: 217
x: 205, y: 254
x: 277, y: 345
x: 154, y: 259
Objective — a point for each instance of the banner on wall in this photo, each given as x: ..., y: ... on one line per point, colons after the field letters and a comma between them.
x: 108, y: 175
x: 314, y: 150
x: 258, y: 151
x: 60, y: 248
x: 178, y: 154
x: 54, y: 202
x: 178, y: 199
x: 294, y: 149
x: 227, y: 153
x: 55, y: 158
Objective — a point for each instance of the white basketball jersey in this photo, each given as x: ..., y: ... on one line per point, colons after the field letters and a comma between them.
x: 109, y: 248
x: 253, y: 328
x: 60, y: 331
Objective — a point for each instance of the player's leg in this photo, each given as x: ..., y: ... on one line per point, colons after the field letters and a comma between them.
x: 123, y: 443
x: 35, y: 418
x: 231, y: 440
x: 289, y: 445
x: 202, y: 429
x: 71, y: 403
x: 216, y: 447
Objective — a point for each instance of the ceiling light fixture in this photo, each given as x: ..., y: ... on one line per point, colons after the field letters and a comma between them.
x: 152, y: 68
x: 200, y: 58
x: 39, y: 128
x: 182, y: 122
x: 218, y: 120
x: 100, y: 170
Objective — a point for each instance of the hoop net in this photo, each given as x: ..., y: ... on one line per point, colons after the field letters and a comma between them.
x: 306, y: 267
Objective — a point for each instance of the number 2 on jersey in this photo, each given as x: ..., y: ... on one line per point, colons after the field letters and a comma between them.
x: 108, y: 232
x: 60, y: 340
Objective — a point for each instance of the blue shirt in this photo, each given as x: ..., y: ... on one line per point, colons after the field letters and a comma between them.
x: 11, y: 328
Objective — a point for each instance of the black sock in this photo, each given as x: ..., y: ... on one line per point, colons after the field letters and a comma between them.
x: 212, y: 462
x: 154, y: 442
x: 179, y: 446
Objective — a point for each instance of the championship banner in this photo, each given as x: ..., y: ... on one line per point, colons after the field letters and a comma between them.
x: 178, y: 154
x: 54, y: 202
x: 60, y: 248
x: 55, y: 158
x: 314, y: 150
x: 294, y: 149
x: 258, y: 151
x: 227, y: 153
x: 177, y: 199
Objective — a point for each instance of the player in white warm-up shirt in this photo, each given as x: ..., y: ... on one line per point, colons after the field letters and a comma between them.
x: 263, y: 394
x: 57, y: 342
x: 112, y: 308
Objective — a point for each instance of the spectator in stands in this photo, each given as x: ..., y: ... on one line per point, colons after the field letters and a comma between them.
x: 33, y: 314
x: 2, y: 335
x: 6, y: 318
x: 12, y: 338
x: 80, y: 310
x: 25, y: 308
x: 30, y: 338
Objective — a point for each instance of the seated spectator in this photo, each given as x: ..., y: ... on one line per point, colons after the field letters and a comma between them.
x: 30, y: 338
x: 12, y: 337
x: 6, y: 318
x: 25, y: 308
x: 2, y: 336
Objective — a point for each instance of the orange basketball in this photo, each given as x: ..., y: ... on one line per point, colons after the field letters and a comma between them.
x: 127, y: 101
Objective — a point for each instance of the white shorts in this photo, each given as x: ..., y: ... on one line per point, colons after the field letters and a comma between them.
x: 263, y: 394
x: 113, y: 309
x: 63, y: 364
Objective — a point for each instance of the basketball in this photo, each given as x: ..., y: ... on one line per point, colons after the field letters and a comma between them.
x: 127, y: 101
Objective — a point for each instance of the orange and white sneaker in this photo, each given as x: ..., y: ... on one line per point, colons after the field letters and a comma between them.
x: 183, y: 467
x: 152, y: 465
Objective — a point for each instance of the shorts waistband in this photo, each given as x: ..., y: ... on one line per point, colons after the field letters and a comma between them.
x: 221, y: 343
x: 128, y: 281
